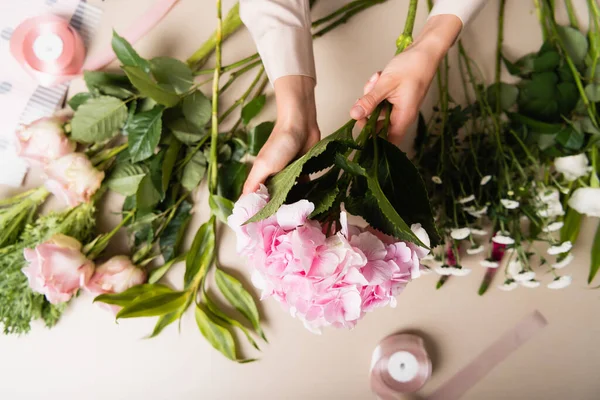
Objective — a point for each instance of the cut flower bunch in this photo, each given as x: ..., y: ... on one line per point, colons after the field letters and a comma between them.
x: 151, y: 135
x: 518, y: 166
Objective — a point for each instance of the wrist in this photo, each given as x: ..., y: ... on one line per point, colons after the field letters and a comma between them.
x: 295, y: 98
x: 438, y: 35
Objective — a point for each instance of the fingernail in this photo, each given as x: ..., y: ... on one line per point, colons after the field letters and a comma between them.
x: 357, y: 112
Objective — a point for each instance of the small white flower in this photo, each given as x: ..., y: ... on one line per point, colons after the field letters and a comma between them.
x: 564, y: 262
x: 460, y: 271
x: 560, y: 282
x: 478, y: 232
x: 443, y: 270
x: 553, y: 227
x: 460, y: 233
x: 466, y: 199
x: 503, y: 238
x: 476, y: 212
x: 508, y: 286
x: 524, y: 276
x: 549, y: 204
x: 572, y: 167
x: 489, y: 264
x: 561, y: 248
x: 586, y: 201
x: 514, y: 268
x: 475, y: 250
x: 428, y: 257
x: 509, y: 204
x: 549, y: 195
x: 436, y: 179
x: 532, y: 284
x: 485, y: 180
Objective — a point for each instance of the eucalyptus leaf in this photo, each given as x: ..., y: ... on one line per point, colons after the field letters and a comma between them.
x: 253, y: 108
x: 79, y: 99
x: 508, y: 95
x: 156, y: 305
x: 127, y: 55
x: 280, y: 184
x: 148, y: 88
x: 575, y: 43
x: 220, y: 207
x: 197, y: 108
x: 185, y: 131
x: 172, y: 72
x: 174, y: 233
x: 239, y: 298
x: 258, y: 136
x: 217, y: 335
x: 194, y: 171
x: 522, y: 67
x: 126, y: 178
x: 108, y: 84
x: 232, y: 176
x: 547, y: 61
x: 98, y: 119
x: 593, y: 92
x: 144, y: 131
x: 595, y: 258
x: 128, y: 296
x: 201, y: 254
x: 588, y: 126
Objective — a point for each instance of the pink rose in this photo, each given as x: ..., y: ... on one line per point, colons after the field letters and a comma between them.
x: 73, y: 178
x: 43, y: 141
x: 57, y: 268
x: 115, y: 276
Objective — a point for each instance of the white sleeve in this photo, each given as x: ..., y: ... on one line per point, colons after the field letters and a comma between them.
x: 281, y: 31
x: 465, y: 10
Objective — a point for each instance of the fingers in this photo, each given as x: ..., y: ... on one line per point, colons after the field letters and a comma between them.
x: 279, y: 150
x: 379, y: 90
x: 403, y: 115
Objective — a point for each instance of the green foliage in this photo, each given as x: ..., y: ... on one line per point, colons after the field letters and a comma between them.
x: 197, y: 109
x: 98, y: 119
x: 144, y: 132
x: 258, y: 136
x: 253, y: 108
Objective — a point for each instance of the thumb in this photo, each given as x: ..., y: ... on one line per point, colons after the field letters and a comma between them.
x: 366, y: 104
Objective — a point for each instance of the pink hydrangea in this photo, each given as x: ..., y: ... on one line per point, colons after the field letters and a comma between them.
x: 323, y: 280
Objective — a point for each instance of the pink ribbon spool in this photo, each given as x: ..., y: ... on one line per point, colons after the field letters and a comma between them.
x: 400, y: 364
x: 48, y: 48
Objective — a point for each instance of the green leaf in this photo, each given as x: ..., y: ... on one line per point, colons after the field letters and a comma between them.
x: 570, y: 138
x: 593, y: 92
x: 126, y: 178
x: 239, y: 298
x: 522, y: 67
x: 218, y: 336
x: 201, y: 254
x: 185, y: 131
x: 127, y: 55
x: 232, y: 176
x: 79, y: 99
x: 171, y: 157
x: 422, y: 134
x: 164, y: 321
x: 593, y: 73
x: 148, y: 88
x: 213, y: 308
x: 547, y: 61
x: 197, y: 109
x: 280, y: 185
x: 172, y: 72
x: 194, y: 171
x: 98, y: 119
x: 568, y: 95
x: 108, y: 84
x: 147, y: 197
x: 220, y: 207
x: 128, y: 296
x: 156, y: 305
x: 508, y: 95
x: 258, y: 136
x: 253, y: 108
x: 595, y: 259
x: 144, y: 131
x: 536, y: 126
x: 174, y: 233
x: 588, y: 126
x: 575, y: 43
x: 157, y: 273
x: 570, y: 230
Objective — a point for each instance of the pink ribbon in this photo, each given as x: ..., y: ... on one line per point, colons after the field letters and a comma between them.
x: 53, y: 52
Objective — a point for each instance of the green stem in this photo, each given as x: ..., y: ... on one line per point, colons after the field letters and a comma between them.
x: 348, y: 7
x: 259, y: 92
x: 572, y: 15
x: 98, y: 245
x: 212, y: 185
x: 540, y: 14
x: 245, y: 95
x: 239, y: 73
x: 405, y: 39
x: 499, y: 42
x: 101, y: 159
x: 230, y: 67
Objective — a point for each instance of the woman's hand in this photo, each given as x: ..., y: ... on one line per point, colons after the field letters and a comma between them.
x: 295, y: 131
x: 405, y: 80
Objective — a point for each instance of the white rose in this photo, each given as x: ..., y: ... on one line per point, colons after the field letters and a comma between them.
x: 586, y: 201
x: 572, y: 167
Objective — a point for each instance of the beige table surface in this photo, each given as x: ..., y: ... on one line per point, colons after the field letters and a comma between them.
x: 88, y: 356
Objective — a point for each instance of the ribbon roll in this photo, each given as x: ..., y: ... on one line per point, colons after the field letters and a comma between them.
x: 48, y: 48
x: 400, y: 364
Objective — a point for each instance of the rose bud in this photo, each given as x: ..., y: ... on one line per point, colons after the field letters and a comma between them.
x: 73, y: 178
x: 43, y: 141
